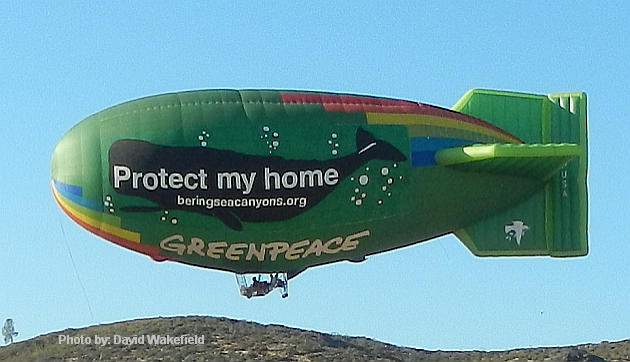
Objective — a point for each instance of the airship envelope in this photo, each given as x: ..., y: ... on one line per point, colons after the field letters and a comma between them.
x: 266, y: 181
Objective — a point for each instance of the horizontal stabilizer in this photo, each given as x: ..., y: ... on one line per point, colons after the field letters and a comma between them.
x: 538, y: 161
x: 552, y: 221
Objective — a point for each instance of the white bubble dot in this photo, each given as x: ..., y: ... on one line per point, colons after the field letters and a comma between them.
x: 352, y: 198
x: 334, y: 152
x: 200, y: 138
x: 163, y: 218
x: 356, y: 191
x: 275, y: 143
x: 266, y: 128
x: 390, y: 180
x: 395, y: 165
x: 173, y: 221
x: 330, y: 142
x: 389, y: 194
x: 384, y: 188
x: 204, y: 144
x: 111, y: 210
x: 380, y: 202
x: 363, y: 195
x: 334, y: 135
x: 363, y: 180
x: 384, y: 171
x: 400, y: 177
x: 358, y: 202
x: 108, y: 197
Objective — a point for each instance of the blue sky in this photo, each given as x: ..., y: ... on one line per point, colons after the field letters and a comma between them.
x: 61, y: 62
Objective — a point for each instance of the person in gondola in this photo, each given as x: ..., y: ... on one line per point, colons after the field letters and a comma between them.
x: 260, y: 288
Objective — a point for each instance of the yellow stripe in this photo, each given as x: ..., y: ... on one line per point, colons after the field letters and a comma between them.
x: 80, y: 212
x: 408, y: 119
x: 443, y: 132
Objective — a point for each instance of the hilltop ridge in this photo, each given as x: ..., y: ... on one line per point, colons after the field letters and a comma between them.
x: 201, y: 338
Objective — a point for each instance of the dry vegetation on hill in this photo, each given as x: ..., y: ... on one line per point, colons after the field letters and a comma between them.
x: 231, y: 340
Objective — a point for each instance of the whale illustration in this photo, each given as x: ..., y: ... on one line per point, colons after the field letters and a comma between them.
x: 177, y: 178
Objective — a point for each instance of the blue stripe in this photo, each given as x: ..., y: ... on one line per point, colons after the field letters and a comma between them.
x: 423, y: 148
x: 74, y: 194
x: 423, y: 158
x: 68, y: 189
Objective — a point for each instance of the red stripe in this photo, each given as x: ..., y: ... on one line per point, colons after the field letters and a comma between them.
x: 350, y: 103
x: 364, y: 104
x: 151, y: 251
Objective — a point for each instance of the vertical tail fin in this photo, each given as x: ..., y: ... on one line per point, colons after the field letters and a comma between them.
x: 554, y: 220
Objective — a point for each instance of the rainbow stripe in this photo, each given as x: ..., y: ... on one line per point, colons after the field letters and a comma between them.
x: 430, y: 128
x: 88, y: 214
x: 411, y: 114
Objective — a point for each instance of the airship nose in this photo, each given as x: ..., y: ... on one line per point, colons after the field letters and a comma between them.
x: 76, y: 159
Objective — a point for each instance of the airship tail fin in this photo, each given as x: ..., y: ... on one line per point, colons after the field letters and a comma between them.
x: 553, y: 127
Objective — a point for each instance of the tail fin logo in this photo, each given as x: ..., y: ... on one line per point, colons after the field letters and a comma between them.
x: 516, y: 230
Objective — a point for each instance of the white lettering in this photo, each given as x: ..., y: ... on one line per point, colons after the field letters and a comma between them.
x: 331, y: 177
x: 150, y: 185
x: 312, y: 176
x: 151, y: 181
x: 121, y: 173
x: 136, y: 176
x: 175, y: 181
x: 163, y: 175
x: 303, y: 178
x: 268, y: 176
x: 202, y: 179
x: 101, y: 341
x: 285, y: 180
x: 188, y: 184
x: 228, y: 177
x: 249, y: 183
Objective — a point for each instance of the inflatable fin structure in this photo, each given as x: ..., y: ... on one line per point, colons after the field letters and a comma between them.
x: 538, y: 161
x: 553, y: 221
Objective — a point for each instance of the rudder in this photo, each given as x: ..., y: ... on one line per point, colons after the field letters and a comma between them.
x: 554, y: 220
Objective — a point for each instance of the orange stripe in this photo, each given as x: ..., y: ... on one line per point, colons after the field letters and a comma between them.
x: 432, y: 120
x: 90, y: 225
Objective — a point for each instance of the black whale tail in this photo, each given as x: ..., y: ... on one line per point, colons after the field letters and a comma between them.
x: 368, y: 145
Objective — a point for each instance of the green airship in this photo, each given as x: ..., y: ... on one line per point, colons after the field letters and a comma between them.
x: 269, y: 181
